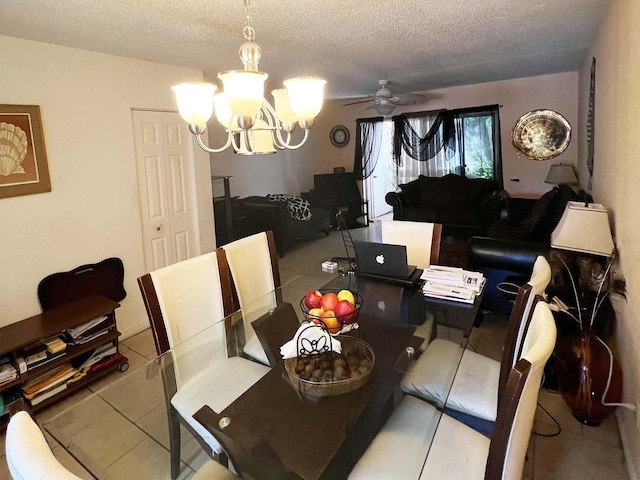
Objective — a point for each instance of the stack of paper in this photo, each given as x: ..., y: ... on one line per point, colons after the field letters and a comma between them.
x: 90, y: 330
x: 452, y: 283
x: 48, y: 384
x: 7, y: 373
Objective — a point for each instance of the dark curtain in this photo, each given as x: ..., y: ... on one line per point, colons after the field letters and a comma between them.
x: 368, y: 138
x: 441, y: 134
x: 447, y: 132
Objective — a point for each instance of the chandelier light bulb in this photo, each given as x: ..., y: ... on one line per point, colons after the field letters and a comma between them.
x: 253, y: 125
x: 306, y: 95
x: 195, y: 101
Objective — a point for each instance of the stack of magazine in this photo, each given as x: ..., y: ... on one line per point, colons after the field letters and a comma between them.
x: 90, y: 330
x: 452, y: 283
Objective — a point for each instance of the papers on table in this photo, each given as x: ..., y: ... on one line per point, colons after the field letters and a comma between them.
x: 452, y: 283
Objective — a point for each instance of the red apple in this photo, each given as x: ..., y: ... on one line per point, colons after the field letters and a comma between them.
x: 313, y: 299
x: 329, y: 301
x: 345, y: 312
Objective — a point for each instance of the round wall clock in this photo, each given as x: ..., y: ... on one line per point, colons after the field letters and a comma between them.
x: 541, y: 134
x: 339, y: 136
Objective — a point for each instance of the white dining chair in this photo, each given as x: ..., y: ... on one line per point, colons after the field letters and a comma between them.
x: 477, y: 382
x: 28, y: 454
x: 253, y: 263
x: 422, y: 240
x: 417, y: 443
x: 186, y: 308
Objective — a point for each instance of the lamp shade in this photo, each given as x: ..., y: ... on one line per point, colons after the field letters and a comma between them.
x: 283, y: 106
x: 244, y: 91
x: 306, y: 95
x: 260, y: 140
x: 561, y: 173
x: 584, y: 228
x: 223, y: 112
x: 195, y: 101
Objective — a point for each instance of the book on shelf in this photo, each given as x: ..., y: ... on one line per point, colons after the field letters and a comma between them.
x: 47, y: 394
x: 48, y: 380
x: 55, y: 345
x: 85, y: 328
x: 8, y: 373
x: 48, y: 357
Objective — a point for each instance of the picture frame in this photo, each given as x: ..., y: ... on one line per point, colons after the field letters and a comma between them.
x: 23, y: 158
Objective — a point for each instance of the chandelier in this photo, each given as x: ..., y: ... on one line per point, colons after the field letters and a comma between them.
x: 253, y: 126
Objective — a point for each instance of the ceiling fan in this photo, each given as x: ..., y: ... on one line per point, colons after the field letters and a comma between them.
x: 384, y: 102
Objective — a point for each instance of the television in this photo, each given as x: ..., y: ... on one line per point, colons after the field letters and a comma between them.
x: 336, y: 190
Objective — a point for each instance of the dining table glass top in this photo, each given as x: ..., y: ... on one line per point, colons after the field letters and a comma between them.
x: 273, y: 429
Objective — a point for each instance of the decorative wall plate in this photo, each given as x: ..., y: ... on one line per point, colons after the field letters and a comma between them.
x: 541, y: 134
x: 339, y: 136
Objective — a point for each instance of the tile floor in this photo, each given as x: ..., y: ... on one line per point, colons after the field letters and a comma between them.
x: 579, y: 452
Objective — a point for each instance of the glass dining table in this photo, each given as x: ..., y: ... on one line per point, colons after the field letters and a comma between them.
x: 273, y: 429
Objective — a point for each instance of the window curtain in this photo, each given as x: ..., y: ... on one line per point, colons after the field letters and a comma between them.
x: 368, y: 141
x: 462, y: 141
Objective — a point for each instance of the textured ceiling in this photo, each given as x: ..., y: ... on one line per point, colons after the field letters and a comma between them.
x: 417, y: 44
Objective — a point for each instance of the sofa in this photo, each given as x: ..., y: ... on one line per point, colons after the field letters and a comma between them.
x: 458, y: 203
x: 508, y: 249
x: 264, y: 214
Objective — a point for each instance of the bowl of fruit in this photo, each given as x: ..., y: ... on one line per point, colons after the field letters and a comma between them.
x: 337, y: 310
x: 332, y: 373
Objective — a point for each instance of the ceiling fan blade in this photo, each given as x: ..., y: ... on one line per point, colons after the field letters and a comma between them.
x: 408, y: 99
x: 359, y: 101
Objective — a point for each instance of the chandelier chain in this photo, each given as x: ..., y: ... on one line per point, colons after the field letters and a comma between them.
x: 248, y: 31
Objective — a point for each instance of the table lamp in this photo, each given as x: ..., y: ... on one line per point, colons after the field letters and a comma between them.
x: 584, y: 227
x: 561, y: 173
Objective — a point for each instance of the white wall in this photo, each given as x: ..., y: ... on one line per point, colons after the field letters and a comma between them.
x: 92, y: 211
x: 615, y: 184
x: 292, y: 172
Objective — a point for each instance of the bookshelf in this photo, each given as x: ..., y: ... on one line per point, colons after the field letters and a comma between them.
x: 19, y: 337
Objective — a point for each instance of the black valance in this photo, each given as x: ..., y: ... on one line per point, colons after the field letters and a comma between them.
x: 441, y: 134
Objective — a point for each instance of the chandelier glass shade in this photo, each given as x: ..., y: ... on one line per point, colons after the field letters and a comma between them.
x: 253, y: 126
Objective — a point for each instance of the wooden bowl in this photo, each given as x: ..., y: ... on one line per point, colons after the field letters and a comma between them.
x: 356, y: 353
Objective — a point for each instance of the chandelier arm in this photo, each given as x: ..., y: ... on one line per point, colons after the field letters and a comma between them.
x: 288, y: 146
x: 213, y: 150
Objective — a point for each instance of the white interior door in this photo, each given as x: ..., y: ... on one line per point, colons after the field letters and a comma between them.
x: 166, y: 187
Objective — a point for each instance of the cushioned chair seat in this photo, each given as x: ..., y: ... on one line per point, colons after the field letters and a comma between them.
x: 253, y: 348
x: 477, y: 378
x: 214, y: 471
x: 436, y: 367
x: 399, y: 450
x: 217, y: 387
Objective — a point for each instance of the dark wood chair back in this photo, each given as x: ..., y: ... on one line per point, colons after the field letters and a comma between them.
x: 498, y: 449
x: 516, y: 328
x: 435, y: 243
x: 154, y: 312
x: 228, y: 285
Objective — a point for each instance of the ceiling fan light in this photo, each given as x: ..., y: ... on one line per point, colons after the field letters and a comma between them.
x: 385, y: 109
x: 306, y: 95
x: 195, y: 101
x: 244, y: 91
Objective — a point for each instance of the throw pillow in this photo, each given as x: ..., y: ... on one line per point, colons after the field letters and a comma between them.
x: 297, y: 207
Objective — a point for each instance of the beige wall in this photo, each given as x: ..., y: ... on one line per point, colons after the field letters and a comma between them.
x: 92, y: 211
x: 615, y: 184
x: 292, y: 171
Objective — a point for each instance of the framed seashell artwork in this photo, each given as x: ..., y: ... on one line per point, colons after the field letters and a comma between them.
x: 23, y: 159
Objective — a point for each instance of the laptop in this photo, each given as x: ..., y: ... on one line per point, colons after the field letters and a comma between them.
x: 385, y: 262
